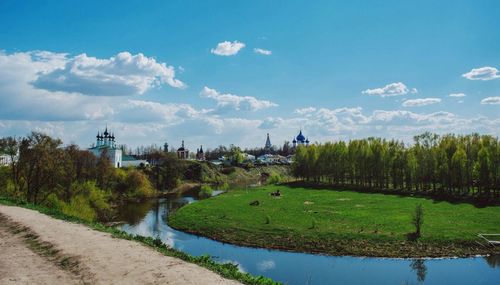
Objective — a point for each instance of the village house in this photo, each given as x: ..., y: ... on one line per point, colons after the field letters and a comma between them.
x: 5, y: 160
x: 130, y: 161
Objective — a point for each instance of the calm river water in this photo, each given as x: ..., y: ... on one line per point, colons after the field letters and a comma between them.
x: 149, y: 219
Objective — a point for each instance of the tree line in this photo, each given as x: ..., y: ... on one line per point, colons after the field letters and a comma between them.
x: 457, y: 166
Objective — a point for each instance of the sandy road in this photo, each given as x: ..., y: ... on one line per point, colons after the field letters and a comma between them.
x: 93, y: 257
x: 20, y: 265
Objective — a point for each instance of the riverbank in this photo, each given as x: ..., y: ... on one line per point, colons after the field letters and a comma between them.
x: 204, y: 172
x: 98, y: 254
x: 339, y: 223
x: 220, y: 177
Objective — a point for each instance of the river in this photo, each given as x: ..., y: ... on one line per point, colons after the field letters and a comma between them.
x: 149, y: 219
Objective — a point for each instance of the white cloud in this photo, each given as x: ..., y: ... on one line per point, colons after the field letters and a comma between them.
x: 230, y: 101
x: 122, y: 75
x: 147, y: 111
x: 262, y: 51
x: 393, y: 89
x: 491, y: 100
x: 305, y: 111
x: 21, y: 100
x: 482, y: 73
x: 227, y: 48
x: 403, y: 117
x: 420, y: 102
x: 457, y: 95
x: 271, y: 123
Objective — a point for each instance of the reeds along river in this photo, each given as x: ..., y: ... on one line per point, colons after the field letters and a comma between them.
x: 149, y: 218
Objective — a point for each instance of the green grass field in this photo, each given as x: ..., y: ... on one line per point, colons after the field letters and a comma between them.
x: 338, y: 222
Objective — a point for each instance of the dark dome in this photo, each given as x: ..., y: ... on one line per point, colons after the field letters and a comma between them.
x: 181, y: 149
x: 301, y: 137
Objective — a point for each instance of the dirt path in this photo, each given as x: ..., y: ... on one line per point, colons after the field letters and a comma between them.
x: 37, y: 249
x: 20, y: 265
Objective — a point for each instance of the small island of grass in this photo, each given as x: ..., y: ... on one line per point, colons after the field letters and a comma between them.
x: 339, y: 222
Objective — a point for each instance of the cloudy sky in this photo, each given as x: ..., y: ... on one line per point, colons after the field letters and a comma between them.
x: 228, y: 72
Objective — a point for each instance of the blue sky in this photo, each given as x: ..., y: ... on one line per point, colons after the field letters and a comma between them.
x: 337, y: 69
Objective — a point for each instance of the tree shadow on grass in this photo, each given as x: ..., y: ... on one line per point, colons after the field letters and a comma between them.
x: 478, y: 202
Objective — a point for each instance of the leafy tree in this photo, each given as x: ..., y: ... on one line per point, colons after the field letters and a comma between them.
x: 39, y: 166
x: 418, y: 219
x: 458, y: 162
x: 483, y: 169
x: 235, y: 155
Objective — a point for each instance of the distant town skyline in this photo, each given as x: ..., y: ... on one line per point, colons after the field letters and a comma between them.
x: 222, y: 72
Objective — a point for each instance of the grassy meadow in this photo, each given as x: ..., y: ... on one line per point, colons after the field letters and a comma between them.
x: 339, y: 222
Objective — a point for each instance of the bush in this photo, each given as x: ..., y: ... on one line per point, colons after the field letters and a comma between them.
x: 88, y: 202
x: 138, y: 185
x: 274, y: 178
x: 205, y: 191
x: 224, y: 186
x: 54, y: 203
x: 4, y: 178
x: 79, y: 207
x: 7, y: 187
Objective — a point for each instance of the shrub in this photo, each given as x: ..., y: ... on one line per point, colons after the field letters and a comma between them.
x: 88, y: 202
x: 79, y: 207
x: 224, y: 186
x: 274, y: 178
x: 4, y: 178
x: 137, y: 185
x: 205, y: 191
x: 53, y: 202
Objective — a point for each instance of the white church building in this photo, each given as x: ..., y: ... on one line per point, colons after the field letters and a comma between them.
x: 106, y: 143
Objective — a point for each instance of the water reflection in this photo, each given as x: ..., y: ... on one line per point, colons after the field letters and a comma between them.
x: 149, y: 218
x: 133, y: 213
x: 418, y: 265
x: 493, y: 261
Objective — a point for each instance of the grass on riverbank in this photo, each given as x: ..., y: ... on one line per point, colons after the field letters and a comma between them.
x: 339, y: 222
x: 227, y: 270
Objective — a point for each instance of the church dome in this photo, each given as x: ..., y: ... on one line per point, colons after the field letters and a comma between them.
x: 301, y: 137
x: 182, y: 148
